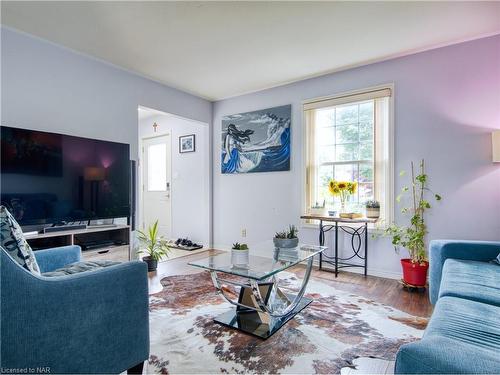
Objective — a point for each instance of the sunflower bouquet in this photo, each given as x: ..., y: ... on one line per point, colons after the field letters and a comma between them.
x: 342, y: 189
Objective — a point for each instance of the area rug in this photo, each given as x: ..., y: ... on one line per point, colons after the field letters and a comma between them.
x: 330, y: 334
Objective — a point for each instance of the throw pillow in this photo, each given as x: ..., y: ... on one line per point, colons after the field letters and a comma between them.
x: 14, y: 243
x: 497, y: 259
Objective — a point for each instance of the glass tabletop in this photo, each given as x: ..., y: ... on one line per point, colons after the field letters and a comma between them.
x: 258, y: 267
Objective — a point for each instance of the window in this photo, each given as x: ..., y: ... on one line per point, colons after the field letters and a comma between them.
x: 349, y: 138
x: 157, y: 167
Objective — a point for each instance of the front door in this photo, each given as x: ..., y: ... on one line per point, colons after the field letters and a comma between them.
x: 156, y: 184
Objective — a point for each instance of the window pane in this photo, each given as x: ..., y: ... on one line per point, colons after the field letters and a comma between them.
x: 326, y: 154
x: 157, y: 167
x: 325, y: 117
x: 366, y: 132
x: 346, y: 172
x: 326, y: 136
x: 347, y: 152
x: 325, y: 174
x: 366, y: 151
x: 366, y: 112
x: 366, y: 173
x: 347, y: 133
x: 347, y: 114
x: 365, y: 192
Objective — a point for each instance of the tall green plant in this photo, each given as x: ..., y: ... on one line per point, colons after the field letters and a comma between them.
x: 154, y: 245
x: 412, y: 236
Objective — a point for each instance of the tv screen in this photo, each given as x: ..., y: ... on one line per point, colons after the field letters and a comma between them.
x: 48, y: 178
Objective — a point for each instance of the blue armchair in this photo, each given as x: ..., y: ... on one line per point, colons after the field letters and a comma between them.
x: 91, y: 322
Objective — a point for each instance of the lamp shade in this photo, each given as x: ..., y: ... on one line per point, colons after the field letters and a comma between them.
x: 495, y: 140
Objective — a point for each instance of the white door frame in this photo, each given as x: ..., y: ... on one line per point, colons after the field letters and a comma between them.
x: 140, y: 173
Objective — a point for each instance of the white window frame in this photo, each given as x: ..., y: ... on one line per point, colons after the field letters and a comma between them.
x: 386, y: 196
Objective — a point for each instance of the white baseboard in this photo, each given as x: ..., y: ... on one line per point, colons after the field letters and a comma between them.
x: 371, y: 272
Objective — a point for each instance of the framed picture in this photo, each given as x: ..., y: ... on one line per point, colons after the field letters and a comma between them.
x: 257, y: 141
x: 187, y: 143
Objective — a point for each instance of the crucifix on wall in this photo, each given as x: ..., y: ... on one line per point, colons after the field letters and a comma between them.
x: 155, y: 127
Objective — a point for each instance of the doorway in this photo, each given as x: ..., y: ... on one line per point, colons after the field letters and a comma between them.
x: 176, y: 189
x: 156, y: 183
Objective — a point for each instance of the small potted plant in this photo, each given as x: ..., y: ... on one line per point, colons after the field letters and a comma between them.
x: 372, y: 209
x: 412, y: 236
x: 318, y: 210
x: 153, y: 245
x: 287, y: 238
x: 239, y: 254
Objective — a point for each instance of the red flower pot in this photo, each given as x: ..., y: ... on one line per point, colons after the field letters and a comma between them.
x: 414, y: 273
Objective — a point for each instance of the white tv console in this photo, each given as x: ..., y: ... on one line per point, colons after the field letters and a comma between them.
x: 119, y: 251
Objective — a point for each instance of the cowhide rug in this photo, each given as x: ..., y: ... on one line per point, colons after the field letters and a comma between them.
x: 330, y: 334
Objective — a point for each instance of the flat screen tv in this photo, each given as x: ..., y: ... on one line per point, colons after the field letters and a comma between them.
x: 49, y: 178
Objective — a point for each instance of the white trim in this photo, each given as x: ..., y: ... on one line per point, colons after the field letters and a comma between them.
x: 343, y: 94
x: 338, y: 100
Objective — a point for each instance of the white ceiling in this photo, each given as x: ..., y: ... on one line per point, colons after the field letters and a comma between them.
x: 222, y: 49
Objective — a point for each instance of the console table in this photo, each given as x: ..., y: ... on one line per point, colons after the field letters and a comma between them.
x: 356, y: 228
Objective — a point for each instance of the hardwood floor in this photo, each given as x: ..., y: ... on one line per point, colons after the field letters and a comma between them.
x: 382, y: 290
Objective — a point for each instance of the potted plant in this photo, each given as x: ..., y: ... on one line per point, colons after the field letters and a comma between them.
x: 318, y: 210
x: 287, y: 238
x: 239, y: 254
x: 153, y: 245
x: 342, y: 189
x: 372, y: 209
x: 412, y: 236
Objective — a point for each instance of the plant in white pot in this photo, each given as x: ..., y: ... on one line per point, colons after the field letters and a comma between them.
x: 153, y: 245
x: 239, y: 254
x: 287, y: 238
x: 372, y: 209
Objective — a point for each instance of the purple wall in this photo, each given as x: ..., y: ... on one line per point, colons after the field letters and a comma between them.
x: 447, y: 102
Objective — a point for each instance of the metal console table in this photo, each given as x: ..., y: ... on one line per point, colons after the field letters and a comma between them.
x: 358, y: 229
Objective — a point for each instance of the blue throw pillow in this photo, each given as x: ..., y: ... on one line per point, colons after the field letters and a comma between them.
x: 497, y: 259
x: 14, y: 243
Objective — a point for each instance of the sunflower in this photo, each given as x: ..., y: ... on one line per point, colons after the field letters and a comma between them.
x: 352, y: 187
x: 333, y: 187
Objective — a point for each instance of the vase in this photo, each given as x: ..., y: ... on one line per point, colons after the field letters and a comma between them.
x: 342, y: 207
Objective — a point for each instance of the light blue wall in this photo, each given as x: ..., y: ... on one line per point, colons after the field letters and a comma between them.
x: 447, y: 102
x: 47, y: 87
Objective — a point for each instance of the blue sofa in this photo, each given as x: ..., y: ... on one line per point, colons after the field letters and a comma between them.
x: 463, y: 334
x: 90, y: 322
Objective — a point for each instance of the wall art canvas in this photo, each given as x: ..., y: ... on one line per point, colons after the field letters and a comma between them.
x: 257, y: 141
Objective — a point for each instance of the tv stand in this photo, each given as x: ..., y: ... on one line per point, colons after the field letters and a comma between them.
x: 102, y: 242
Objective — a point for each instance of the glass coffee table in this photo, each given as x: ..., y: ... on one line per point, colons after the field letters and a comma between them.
x: 262, y: 306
